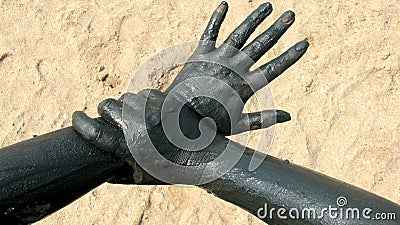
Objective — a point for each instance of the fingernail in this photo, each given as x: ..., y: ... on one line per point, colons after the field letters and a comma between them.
x: 282, y: 116
x: 222, y: 6
x: 267, y: 6
x: 288, y: 17
x: 302, y: 46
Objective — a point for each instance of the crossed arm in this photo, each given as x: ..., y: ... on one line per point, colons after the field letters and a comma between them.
x: 275, y: 183
x: 43, y: 174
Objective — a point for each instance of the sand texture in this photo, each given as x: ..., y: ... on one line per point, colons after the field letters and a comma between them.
x: 57, y: 57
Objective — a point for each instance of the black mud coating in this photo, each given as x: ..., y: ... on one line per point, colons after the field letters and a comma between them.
x: 43, y: 174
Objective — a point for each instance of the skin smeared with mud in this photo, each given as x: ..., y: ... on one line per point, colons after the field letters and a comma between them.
x: 275, y: 182
x: 230, y: 61
x: 225, y: 64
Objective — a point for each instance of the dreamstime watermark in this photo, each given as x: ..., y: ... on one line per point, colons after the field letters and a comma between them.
x: 338, y: 211
x: 205, y: 76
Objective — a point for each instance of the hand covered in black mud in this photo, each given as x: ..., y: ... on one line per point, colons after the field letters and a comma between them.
x: 231, y: 64
x: 157, y: 148
x: 206, y: 98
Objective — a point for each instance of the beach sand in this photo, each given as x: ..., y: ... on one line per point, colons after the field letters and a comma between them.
x: 344, y: 94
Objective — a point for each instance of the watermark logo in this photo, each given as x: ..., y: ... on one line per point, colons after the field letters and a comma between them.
x: 203, y: 77
x: 341, y: 201
x: 340, y: 211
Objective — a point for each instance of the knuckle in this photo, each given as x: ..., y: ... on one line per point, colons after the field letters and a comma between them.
x: 269, y: 70
x: 95, y: 133
x: 257, y: 46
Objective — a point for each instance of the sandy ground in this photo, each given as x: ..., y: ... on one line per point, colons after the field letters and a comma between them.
x: 343, y: 95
